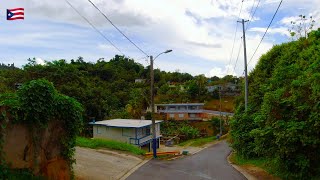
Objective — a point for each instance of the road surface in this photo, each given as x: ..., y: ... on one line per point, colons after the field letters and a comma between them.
x: 210, y: 163
x: 102, y: 164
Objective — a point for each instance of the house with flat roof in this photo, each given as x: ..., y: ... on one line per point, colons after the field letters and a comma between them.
x: 187, y: 111
x: 133, y: 131
x: 181, y: 111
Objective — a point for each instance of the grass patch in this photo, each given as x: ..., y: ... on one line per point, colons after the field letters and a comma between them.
x: 264, y: 164
x: 198, y: 142
x: 239, y: 160
x: 110, y: 144
x: 227, y: 104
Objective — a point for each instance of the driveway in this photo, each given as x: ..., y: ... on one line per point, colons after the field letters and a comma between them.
x: 102, y: 164
x: 210, y: 163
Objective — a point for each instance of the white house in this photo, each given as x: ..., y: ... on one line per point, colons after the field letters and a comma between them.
x: 139, y: 80
x: 133, y: 131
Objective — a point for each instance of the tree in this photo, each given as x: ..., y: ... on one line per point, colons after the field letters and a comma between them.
x: 301, y: 27
x: 282, y: 120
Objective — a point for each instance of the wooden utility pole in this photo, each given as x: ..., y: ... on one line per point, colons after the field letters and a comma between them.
x: 220, y: 111
x: 154, y: 135
x: 245, y: 63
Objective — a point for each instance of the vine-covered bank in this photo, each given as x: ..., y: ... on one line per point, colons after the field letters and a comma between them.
x: 35, y: 105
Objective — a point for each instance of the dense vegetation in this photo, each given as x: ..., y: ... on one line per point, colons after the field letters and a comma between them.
x: 282, y: 123
x: 107, y: 89
x: 34, y: 105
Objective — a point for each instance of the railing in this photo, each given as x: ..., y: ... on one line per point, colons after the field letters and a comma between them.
x: 182, y: 111
x: 195, y: 118
x: 138, y: 141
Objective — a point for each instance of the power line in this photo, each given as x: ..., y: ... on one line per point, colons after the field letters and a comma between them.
x: 253, y: 14
x: 145, y: 58
x: 118, y: 28
x: 266, y: 31
x: 234, y: 39
x: 94, y: 27
x: 235, y: 65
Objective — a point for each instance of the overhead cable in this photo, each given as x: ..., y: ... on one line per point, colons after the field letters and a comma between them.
x: 235, y: 65
x: 94, y: 27
x: 234, y: 39
x: 265, y: 31
x: 255, y: 10
x: 118, y: 28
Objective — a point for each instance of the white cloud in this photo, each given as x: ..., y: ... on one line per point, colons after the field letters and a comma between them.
x: 219, y: 72
x: 40, y: 61
x: 281, y: 30
x: 198, y: 30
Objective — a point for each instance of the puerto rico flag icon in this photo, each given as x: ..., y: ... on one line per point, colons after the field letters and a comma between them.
x: 14, y: 14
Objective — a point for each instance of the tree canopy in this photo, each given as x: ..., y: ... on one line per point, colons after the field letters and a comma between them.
x: 282, y: 122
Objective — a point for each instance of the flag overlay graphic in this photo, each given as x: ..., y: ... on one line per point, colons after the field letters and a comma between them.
x: 14, y: 14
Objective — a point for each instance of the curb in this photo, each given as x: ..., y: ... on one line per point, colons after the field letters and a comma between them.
x: 131, y: 171
x: 209, y: 145
x: 241, y: 170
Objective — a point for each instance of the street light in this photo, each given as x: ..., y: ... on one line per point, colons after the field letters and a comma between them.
x: 154, y: 136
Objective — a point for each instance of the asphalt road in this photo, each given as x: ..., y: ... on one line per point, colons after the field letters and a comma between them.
x: 210, y: 163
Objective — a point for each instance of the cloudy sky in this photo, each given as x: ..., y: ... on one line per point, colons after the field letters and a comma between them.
x: 200, y: 32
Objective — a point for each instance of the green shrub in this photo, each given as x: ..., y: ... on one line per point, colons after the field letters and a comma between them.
x: 189, y: 132
x: 282, y: 120
x: 110, y: 144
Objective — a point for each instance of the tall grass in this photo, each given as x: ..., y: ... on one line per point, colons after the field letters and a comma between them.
x: 109, y: 144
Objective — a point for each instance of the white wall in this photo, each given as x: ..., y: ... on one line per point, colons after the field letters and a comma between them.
x: 118, y: 134
x: 122, y: 134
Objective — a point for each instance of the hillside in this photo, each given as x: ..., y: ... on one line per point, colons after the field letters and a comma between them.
x: 282, y: 121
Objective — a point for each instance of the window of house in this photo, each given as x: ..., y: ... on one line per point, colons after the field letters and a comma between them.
x: 171, y: 115
x: 172, y: 108
x: 181, y: 115
x: 148, y: 131
x: 126, y: 132
x: 98, y: 130
x: 192, y: 115
x: 139, y: 132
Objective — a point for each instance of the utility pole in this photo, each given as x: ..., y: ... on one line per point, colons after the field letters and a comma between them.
x: 154, y: 136
x: 220, y: 111
x: 154, y: 133
x: 245, y: 63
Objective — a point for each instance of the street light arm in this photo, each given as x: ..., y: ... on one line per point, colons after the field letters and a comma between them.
x: 167, y: 51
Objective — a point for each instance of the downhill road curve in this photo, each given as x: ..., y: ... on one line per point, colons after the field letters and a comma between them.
x: 210, y: 163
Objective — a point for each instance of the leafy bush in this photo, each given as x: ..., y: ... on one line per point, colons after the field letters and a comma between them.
x: 36, y: 104
x: 189, y: 132
x: 282, y: 121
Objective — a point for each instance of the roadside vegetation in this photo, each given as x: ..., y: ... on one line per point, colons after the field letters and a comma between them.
x: 21, y: 174
x: 259, y: 162
x: 198, y: 142
x: 281, y: 124
x: 107, y: 88
x: 109, y: 144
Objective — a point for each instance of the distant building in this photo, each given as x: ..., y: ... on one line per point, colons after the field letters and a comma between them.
x: 132, y: 131
x: 186, y: 111
x: 213, y: 88
x: 139, y: 80
x: 227, y: 89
